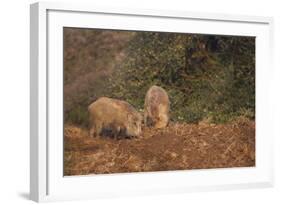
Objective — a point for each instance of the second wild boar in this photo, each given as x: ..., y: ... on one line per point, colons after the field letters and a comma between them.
x: 113, y: 117
x: 156, y: 107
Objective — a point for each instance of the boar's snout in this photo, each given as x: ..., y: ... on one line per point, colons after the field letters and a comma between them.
x: 134, y: 127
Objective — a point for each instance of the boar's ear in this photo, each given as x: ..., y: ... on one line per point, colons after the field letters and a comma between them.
x: 129, y: 116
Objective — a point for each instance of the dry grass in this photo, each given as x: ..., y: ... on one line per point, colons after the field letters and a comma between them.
x: 177, y: 147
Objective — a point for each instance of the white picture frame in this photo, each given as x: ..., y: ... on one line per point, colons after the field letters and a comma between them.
x: 47, y: 182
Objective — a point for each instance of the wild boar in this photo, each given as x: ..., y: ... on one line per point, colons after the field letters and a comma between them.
x: 156, y: 107
x: 113, y: 117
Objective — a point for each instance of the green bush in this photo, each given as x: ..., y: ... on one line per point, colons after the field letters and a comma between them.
x: 79, y: 115
x: 201, y: 80
x: 206, y: 76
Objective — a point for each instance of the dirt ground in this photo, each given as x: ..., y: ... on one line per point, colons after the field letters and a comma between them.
x: 179, y: 146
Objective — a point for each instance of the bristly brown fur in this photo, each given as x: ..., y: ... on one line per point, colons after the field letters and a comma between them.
x: 156, y: 107
x: 113, y: 117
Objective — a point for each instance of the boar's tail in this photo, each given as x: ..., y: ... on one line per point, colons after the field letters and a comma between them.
x: 89, y: 108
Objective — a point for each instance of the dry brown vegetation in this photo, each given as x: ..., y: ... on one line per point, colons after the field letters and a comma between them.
x: 179, y: 146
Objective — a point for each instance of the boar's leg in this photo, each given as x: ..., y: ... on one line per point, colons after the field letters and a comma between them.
x: 149, y: 122
x: 116, y: 132
x: 145, y: 118
x: 92, y: 132
x: 98, y: 129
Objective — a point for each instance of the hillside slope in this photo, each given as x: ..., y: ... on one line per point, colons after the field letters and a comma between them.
x: 177, y: 147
